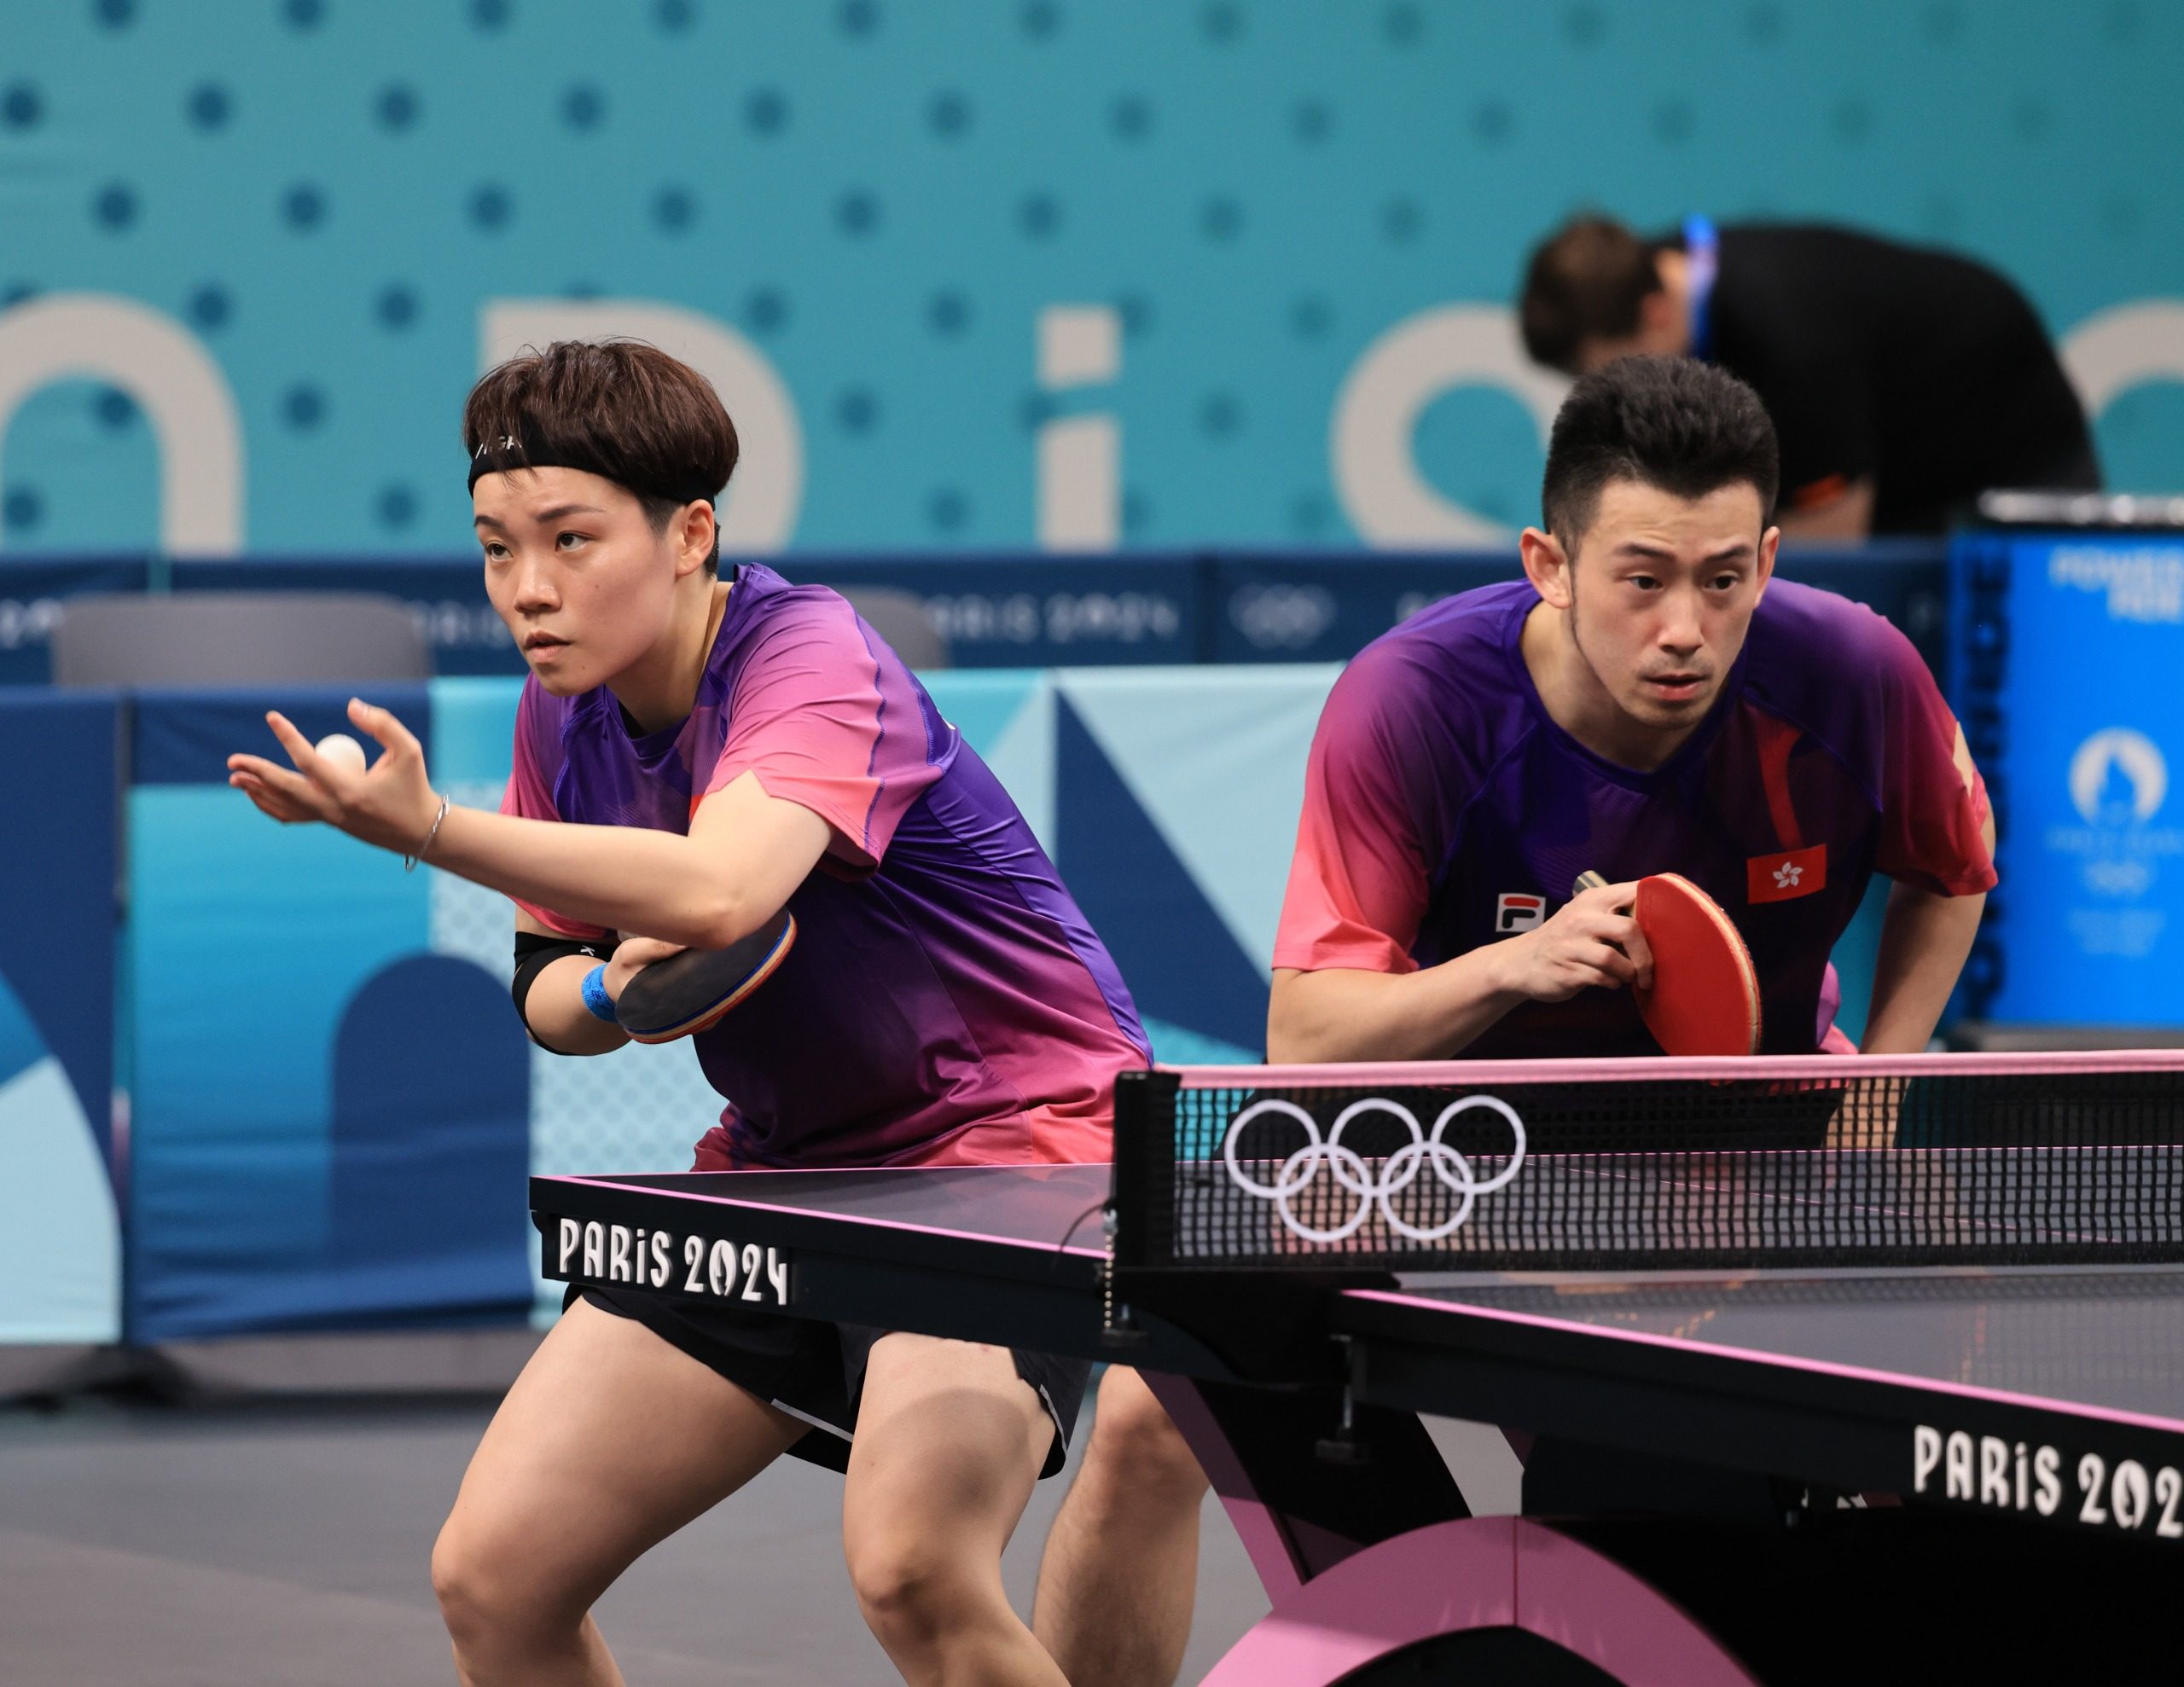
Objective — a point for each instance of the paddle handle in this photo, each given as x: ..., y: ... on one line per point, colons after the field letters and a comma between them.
x: 1587, y: 880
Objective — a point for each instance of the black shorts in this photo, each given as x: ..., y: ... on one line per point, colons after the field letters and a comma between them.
x: 815, y: 1371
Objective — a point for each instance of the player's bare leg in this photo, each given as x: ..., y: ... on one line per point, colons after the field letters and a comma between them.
x: 948, y: 1443
x: 610, y: 1441
x: 1120, y: 1572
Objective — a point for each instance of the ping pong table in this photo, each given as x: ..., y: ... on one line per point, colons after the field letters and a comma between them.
x: 1857, y: 1366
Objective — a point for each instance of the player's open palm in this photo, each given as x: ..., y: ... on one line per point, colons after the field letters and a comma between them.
x: 1591, y: 943
x: 391, y: 802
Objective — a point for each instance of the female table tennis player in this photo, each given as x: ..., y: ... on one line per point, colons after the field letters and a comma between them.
x: 693, y: 753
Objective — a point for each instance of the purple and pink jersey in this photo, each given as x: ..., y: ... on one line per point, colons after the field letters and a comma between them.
x: 945, y: 1002
x: 1443, y: 809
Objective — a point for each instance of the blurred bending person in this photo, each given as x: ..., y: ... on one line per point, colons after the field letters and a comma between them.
x: 1903, y: 381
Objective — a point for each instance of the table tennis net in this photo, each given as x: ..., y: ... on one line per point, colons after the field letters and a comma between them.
x: 1977, y: 1160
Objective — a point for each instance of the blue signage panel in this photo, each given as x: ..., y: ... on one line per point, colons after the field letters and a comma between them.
x: 1003, y: 611
x: 1028, y: 610
x: 1326, y: 607
x: 2067, y: 674
x: 998, y: 610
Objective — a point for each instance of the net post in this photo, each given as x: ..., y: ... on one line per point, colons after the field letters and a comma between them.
x: 1143, y: 1196
x: 1144, y: 1139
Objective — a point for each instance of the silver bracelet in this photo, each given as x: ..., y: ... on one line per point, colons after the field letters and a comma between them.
x: 410, y: 862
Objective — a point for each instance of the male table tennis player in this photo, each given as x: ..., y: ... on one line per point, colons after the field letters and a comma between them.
x: 1645, y: 699
x: 1903, y: 382
x: 692, y: 752
x: 1648, y: 699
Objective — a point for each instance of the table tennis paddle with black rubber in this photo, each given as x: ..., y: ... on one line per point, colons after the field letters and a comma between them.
x: 686, y: 993
x: 1705, y: 997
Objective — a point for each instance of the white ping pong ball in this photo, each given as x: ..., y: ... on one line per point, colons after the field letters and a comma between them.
x: 343, y: 751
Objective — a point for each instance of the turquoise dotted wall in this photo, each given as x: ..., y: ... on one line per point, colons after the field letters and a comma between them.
x: 881, y: 196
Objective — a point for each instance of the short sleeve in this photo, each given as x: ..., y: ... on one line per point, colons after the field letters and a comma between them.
x: 1358, y: 884
x: 829, y: 717
x: 529, y: 796
x: 1931, y: 818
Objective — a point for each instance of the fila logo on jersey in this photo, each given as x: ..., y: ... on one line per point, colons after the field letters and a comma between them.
x: 1517, y: 910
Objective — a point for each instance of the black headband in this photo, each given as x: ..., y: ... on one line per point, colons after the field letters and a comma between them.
x: 507, y: 452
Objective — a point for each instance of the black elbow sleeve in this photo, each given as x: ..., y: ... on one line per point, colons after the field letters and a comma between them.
x: 535, y: 953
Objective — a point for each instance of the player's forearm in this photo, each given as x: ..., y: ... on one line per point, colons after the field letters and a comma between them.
x: 1343, y: 1014
x: 556, y: 1013
x: 629, y: 878
x: 1924, y: 941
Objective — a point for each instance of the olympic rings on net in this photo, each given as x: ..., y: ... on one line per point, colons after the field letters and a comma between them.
x: 1397, y: 1174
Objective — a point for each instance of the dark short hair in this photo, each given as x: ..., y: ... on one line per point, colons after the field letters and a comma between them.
x: 1585, y: 282
x: 618, y: 408
x: 1672, y: 423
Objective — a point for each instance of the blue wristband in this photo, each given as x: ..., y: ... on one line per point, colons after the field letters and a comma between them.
x: 596, y: 1001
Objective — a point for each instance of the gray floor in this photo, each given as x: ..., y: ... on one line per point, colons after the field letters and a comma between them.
x: 148, y: 1546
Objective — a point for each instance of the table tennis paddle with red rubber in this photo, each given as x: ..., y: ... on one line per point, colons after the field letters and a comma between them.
x: 1705, y: 997
x: 686, y: 993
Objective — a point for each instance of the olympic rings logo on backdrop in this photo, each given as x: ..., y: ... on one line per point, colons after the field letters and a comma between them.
x: 1397, y: 1172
